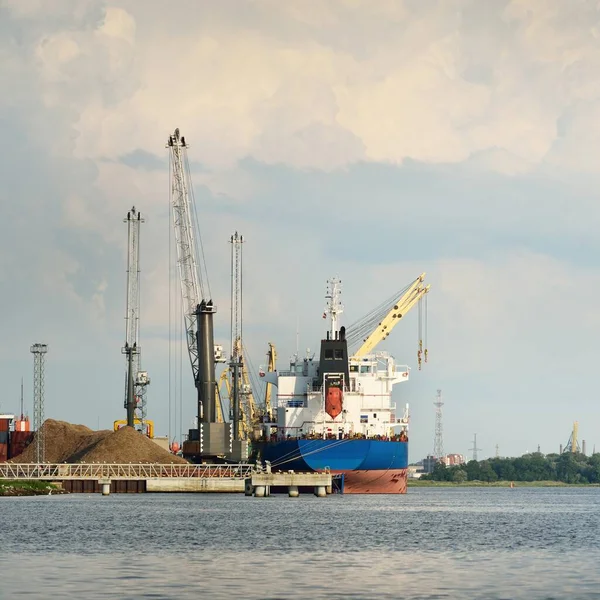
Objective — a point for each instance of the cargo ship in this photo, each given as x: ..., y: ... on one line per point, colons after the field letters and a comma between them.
x: 337, y: 412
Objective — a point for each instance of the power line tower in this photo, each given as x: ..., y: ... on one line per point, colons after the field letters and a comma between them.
x: 438, y: 442
x: 39, y: 358
x: 474, y: 449
x: 136, y: 380
x: 236, y: 361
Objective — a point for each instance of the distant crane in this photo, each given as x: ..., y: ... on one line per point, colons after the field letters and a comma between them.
x: 136, y: 380
x: 573, y: 444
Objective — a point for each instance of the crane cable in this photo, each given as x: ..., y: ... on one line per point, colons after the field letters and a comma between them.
x: 358, y: 331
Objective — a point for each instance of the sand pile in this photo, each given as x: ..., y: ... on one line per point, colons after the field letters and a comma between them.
x: 128, y: 446
x: 67, y: 443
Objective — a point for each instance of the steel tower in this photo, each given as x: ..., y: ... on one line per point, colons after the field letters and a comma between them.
x: 136, y: 380
x: 438, y: 442
x: 39, y: 356
x: 474, y: 449
x: 235, y: 364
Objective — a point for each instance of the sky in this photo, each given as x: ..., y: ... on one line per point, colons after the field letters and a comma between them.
x: 371, y: 141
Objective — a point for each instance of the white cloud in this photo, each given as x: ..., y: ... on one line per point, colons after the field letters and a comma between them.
x: 312, y: 101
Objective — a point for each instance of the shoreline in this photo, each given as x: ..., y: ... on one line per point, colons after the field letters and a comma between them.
x: 516, y: 484
x: 16, y: 488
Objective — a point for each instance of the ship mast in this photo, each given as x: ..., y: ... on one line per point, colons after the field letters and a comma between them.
x: 334, y: 306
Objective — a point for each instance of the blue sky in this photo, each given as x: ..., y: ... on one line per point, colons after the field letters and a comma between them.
x: 371, y: 141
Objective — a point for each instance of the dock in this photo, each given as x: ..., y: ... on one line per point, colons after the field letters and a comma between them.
x: 133, y: 478
x: 262, y: 483
x: 89, y: 478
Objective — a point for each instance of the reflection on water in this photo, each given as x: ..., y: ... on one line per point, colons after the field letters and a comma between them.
x: 431, y: 543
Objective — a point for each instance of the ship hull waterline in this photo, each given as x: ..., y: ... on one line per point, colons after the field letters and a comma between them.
x: 369, y: 466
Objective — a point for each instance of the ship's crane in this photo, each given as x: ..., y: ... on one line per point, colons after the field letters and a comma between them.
x: 271, y: 365
x: 136, y: 380
x: 198, y: 307
x: 380, y: 322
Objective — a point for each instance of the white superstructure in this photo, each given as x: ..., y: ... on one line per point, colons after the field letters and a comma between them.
x: 367, y: 381
x: 368, y: 408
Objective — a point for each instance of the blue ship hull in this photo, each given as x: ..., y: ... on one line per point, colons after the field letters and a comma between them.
x: 369, y: 466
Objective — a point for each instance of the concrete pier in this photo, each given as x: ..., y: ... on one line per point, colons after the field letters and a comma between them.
x: 261, y: 483
x: 105, y: 486
x: 181, y: 484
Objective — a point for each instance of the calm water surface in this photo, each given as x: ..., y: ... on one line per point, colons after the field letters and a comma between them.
x: 432, y: 543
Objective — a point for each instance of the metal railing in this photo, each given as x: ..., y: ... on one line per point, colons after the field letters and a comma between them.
x: 110, y: 471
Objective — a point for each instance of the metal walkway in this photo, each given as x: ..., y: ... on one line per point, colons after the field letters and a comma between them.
x: 107, y: 471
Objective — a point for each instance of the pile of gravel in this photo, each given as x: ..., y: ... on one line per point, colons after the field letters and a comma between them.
x: 67, y: 443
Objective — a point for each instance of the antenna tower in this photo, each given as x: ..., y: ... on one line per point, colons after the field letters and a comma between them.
x: 438, y: 443
x: 474, y: 449
x: 39, y: 357
x: 136, y: 380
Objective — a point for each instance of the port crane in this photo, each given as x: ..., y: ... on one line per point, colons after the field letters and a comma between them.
x: 136, y: 380
x: 198, y: 307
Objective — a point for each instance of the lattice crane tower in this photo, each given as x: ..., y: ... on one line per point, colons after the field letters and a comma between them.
x: 235, y: 364
x: 39, y: 357
x: 136, y: 379
x: 438, y: 442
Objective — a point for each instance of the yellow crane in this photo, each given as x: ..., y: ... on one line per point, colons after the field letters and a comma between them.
x: 271, y: 365
x: 219, y: 405
x: 251, y: 415
x: 415, y: 292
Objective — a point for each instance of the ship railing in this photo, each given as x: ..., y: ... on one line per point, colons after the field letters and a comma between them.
x: 121, y: 471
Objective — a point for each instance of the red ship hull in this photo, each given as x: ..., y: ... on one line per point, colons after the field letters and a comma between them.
x: 390, y: 481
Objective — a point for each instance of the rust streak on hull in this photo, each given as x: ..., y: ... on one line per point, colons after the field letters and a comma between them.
x: 391, y: 481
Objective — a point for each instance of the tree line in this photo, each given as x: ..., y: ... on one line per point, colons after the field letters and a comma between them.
x: 568, y: 467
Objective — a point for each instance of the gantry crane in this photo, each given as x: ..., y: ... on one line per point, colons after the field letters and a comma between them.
x: 198, y: 307
x: 136, y: 380
x: 381, y: 322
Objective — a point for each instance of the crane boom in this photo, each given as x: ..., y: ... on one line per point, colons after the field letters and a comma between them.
x: 192, y: 289
x: 398, y: 310
x: 198, y: 310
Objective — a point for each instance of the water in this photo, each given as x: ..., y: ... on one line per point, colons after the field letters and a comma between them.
x: 432, y: 543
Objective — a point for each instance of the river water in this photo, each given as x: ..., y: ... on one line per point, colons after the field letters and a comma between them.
x: 462, y: 543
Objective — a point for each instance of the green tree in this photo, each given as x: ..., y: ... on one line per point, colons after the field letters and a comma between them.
x: 459, y: 476
x: 473, y: 471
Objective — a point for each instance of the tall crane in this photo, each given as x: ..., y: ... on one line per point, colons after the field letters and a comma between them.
x: 236, y: 363
x: 136, y: 380
x: 198, y: 307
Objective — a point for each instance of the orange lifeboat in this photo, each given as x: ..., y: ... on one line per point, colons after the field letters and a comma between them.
x: 333, y: 401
